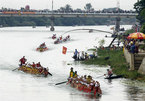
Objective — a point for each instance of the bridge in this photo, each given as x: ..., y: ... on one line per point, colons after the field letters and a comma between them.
x: 52, y: 15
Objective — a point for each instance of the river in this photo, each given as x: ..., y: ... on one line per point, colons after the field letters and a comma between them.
x: 16, y: 42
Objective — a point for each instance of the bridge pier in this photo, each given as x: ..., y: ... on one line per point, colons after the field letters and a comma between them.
x: 52, y: 24
x: 117, y: 25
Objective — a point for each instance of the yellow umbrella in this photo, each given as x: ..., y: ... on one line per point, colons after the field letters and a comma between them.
x: 136, y: 35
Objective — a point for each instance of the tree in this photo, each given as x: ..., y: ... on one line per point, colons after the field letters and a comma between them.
x: 101, y: 42
x: 68, y: 7
x: 88, y: 7
x: 140, y: 6
x: 62, y: 9
x: 143, y: 28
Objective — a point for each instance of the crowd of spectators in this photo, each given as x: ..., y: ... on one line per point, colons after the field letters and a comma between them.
x: 70, y: 11
x: 132, y: 45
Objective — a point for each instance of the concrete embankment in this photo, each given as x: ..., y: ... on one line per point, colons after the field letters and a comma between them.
x: 142, y: 67
x: 136, y: 61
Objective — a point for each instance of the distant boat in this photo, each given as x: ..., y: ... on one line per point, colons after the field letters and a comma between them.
x: 91, y: 30
x: 1, y: 26
x: 108, y: 24
x: 47, y: 26
x: 33, y: 26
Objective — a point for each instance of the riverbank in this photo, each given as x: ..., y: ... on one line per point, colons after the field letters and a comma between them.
x: 116, y: 60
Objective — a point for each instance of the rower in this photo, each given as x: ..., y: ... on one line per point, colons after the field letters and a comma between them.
x: 89, y: 78
x: 38, y: 65
x: 22, y: 60
x: 33, y: 65
x: 75, y: 75
x: 71, y: 73
x: 109, y: 73
x: 43, y: 45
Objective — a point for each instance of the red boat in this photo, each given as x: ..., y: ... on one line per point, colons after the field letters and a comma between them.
x: 85, y: 87
x: 42, y: 49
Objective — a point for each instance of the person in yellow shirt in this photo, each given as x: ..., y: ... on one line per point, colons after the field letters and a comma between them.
x: 75, y: 74
x: 71, y: 73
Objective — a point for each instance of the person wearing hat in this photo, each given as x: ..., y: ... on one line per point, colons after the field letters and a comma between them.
x: 71, y: 73
x: 75, y: 74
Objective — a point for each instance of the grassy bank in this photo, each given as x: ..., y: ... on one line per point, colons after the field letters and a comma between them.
x: 116, y: 61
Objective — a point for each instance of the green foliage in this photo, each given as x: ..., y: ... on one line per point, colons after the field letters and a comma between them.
x: 116, y: 61
x: 101, y: 42
x: 140, y: 8
x: 129, y: 31
x: 143, y: 28
x: 142, y: 47
x: 88, y: 7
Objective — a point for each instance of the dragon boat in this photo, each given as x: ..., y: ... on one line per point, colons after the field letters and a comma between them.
x: 43, y: 72
x: 84, y: 87
x: 42, y: 49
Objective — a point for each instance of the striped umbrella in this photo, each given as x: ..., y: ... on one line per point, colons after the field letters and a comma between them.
x: 136, y: 35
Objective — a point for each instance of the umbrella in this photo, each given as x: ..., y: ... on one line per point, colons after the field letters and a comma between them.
x: 136, y: 35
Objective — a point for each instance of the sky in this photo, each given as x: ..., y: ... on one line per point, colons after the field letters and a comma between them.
x: 47, y: 4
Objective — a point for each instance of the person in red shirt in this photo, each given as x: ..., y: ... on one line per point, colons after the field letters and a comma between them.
x: 38, y: 65
x: 22, y: 61
x: 60, y: 38
x: 109, y: 73
x: 33, y: 65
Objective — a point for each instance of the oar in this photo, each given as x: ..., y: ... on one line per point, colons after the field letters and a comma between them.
x: 49, y: 73
x: 61, y: 83
x: 99, y: 76
x: 14, y: 69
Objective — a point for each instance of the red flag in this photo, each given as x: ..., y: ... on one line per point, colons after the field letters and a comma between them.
x: 64, y: 49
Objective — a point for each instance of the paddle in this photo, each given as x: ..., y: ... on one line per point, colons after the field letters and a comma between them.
x: 61, y: 83
x: 14, y: 69
x: 49, y: 73
x: 99, y: 76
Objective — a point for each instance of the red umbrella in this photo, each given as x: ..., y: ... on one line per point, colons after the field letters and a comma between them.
x: 136, y: 35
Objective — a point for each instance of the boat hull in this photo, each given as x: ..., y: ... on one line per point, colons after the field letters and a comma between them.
x: 114, y: 77
x: 87, y: 89
x: 42, y: 49
x: 31, y: 70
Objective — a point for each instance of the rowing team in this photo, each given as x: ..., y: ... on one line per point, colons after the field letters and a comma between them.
x: 43, y: 45
x: 84, y: 82
x: 35, y: 66
x: 23, y: 63
x: 60, y: 39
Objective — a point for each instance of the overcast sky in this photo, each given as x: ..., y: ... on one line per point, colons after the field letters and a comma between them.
x: 46, y: 4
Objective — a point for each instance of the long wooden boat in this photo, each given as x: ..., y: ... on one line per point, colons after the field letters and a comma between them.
x: 78, y: 59
x: 96, y: 91
x: 61, y: 41
x: 34, y: 71
x: 42, y: 49
x: 114, y: 77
